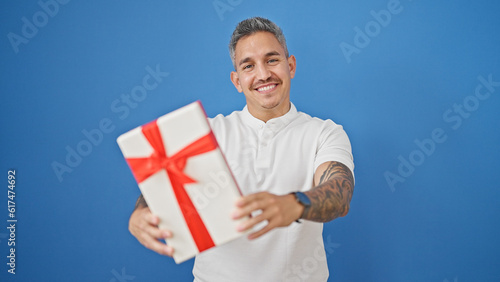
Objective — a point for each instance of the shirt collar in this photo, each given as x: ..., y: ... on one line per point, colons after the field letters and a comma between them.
x: 277, y: 123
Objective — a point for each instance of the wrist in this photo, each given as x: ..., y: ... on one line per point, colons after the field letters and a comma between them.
x: 140, y: 203
x: 298, y: 208
x: 302, y: 201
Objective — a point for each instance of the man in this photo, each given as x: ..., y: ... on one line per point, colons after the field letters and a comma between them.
x: 288, y: 165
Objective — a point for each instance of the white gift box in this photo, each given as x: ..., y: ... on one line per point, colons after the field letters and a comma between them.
x: 184, y: 179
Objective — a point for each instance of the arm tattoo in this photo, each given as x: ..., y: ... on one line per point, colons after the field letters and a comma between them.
x: 141, y: 203
x: 331, y: 198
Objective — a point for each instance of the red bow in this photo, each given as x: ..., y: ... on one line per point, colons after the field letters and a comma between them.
x: 143, y: 168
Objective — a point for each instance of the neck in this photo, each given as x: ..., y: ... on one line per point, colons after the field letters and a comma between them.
x: 267, y: 114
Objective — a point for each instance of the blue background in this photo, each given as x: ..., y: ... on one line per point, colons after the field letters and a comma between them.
x: 440, y: 224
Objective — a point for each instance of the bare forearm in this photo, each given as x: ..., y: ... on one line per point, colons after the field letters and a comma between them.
x: 330, y: 199
x: 141, y: 203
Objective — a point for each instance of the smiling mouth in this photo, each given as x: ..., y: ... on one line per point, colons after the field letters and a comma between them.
x: 266, y: 88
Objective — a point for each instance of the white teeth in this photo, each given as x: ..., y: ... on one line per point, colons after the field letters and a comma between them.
x: 266, y: 88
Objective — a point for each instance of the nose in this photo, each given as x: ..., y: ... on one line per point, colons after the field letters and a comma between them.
x: 262, y: 72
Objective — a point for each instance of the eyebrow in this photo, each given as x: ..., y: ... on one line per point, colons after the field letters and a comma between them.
x: 268, y: 54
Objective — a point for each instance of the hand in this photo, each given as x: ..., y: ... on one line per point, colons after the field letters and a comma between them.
x: 279, y: 211
x: 144, y: 226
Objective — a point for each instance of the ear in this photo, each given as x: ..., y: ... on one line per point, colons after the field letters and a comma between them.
x: 236, y: 81
x: 292, y: 65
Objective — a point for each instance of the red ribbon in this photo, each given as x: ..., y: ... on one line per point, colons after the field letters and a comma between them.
x: 143, y: 168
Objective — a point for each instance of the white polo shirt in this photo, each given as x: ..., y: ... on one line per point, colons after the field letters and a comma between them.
x: 280, y: 157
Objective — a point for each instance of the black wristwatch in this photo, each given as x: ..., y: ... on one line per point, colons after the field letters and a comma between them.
x: 302, y: 199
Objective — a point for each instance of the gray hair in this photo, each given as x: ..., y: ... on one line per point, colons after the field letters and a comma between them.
x: 252, y: 25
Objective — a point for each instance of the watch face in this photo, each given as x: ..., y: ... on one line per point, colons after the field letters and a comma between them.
x: 303, y: 199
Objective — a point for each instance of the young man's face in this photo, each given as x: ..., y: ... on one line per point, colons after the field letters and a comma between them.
x: 263, y: 74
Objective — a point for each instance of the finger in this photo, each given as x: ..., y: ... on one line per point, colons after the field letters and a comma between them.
x: 150, y: 236
x: 250, y: 223
x: 253, y: 203
x: 156, y: 232
x: 142, y: 215
x: 156, y: 245
x: 261, y: 232
x: 247, y: 209
x: 243, y: 201
x: 142, y: 226
x: 151, y: 226
x: 151, y: 218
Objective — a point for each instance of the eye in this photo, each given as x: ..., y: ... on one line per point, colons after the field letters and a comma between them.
x: 271, y: 61
x: 247, y: 67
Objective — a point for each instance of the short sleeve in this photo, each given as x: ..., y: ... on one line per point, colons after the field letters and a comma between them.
x: 333, y: 145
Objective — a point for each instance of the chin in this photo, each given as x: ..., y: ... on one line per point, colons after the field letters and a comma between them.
x: 270, y: 106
